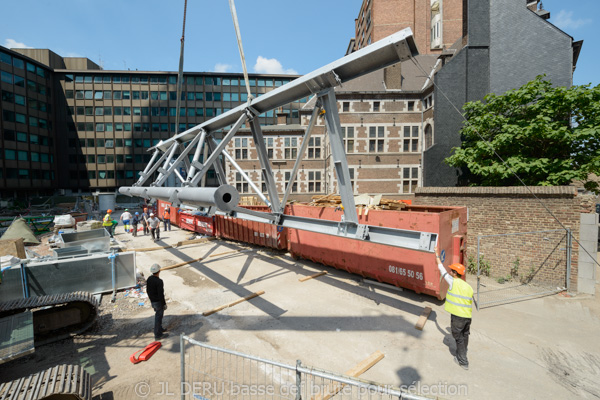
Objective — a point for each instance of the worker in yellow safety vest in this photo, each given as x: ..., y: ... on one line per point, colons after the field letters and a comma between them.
x: 459, y: 303
x: 107, y: 223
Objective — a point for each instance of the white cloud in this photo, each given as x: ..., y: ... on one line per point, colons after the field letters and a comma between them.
x: 564, y: 20
x: 13, y: 44
x: 220, y: 67
x: 271, y: 66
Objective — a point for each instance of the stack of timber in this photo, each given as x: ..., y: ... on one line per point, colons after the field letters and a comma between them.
x: 334, y: 200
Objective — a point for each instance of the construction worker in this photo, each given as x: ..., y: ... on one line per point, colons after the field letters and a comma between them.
x: 154, y: 224
x: 134, y: 223
x: 107, y: 223
x: 459, y: 303
x: 167, y: 218
x: 144, y: 221
x: 126, y: 218
x: 156, y: 293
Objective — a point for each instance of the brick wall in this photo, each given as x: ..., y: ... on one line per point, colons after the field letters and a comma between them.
x: 500, y: 210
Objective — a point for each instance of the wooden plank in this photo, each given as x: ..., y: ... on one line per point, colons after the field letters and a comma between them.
x: 354, y: 372
x: 181, y: 264
x: 194, y: 241
x: 227, y: 252
x: 423, y: 318
x: 233, y: 303
x: 312, y: 276
x: 151, y: 248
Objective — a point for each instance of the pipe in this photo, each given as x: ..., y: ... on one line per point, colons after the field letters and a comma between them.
x: 224, y: 197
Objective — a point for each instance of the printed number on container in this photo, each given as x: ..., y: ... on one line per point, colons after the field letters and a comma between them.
x: 406, y: 272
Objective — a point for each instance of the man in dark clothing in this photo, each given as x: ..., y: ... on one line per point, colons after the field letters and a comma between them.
x: 134, y: 222
x: 156, y: 294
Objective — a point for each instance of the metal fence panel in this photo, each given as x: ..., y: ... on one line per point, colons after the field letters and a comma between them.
x: 211, y: 373
x: 515, y: 266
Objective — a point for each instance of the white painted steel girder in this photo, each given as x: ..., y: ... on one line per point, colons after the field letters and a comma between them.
x: 397, y: 47
x: 224, y: 197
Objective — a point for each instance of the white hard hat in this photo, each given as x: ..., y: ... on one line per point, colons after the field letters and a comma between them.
x: 152, y: 214
x: 154, y: 268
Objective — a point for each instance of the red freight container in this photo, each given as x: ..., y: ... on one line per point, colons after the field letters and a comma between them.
x: 204, y: 225
x: 187, y: 221
x: 174, y: 214
x: 411, y: 269
x: 259, y: 233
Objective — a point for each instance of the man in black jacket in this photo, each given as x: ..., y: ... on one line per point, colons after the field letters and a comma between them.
x: 156, y: 294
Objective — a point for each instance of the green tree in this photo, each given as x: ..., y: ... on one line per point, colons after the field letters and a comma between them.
x: 547, y: 135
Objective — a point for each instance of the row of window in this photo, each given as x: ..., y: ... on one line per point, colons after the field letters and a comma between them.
x: 377, y: 105
x: 14, y: 98
x: 158, y: 111
x: 127, y: 127
x: 172, y: 79
x: 112, y: 143
x: 314, y: 182
x: 19, y: 81
x: 22, y: 173
x: 32, y: 156
x: 20, y: 64
x: 160, y: 95
x: 11, y: 116
x: 10, y: 135
x: 109, y: 158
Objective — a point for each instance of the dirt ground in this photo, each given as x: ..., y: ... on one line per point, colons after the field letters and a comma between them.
x: 540, y: 348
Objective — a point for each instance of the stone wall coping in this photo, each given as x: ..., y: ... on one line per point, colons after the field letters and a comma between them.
x: 545, y: 191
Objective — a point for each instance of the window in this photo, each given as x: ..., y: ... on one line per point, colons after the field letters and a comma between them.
x: 290, y: 148
x: 376, y: 139
x: 428, y: 136
x: 376, y: 106
x: 411, y: 106
x: 98, y: 95
x: 314, y: 181
x: 5, y: 58
x: 22, y: 137
x: 410, y: 179
x: 10, y: 154
x: 241, y: 148
x: 270, y: 145
x: 6, y: 77
x: 240, y: 184
x: 345, y: 106
x: 427, y: 102
x: 411, y: 139
x: 314, y: 147
x: 348, y: 134
x: 288, y: 176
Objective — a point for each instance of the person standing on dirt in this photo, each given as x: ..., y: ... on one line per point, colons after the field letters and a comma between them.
x: 156, y: 293
x: 144, y: 221
x: 134, y: 223
x: 459, y: 303
x: 154, y: 224
x: 126, y: 218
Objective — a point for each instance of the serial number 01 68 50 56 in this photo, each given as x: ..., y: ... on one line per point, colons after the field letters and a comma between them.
x: 406, y: 272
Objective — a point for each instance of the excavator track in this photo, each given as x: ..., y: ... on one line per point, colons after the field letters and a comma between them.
x: 63, y: 382
x: 55, y: 317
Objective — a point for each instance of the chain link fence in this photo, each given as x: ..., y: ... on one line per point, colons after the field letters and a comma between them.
x: 210, y: 373
x: 516, y: 266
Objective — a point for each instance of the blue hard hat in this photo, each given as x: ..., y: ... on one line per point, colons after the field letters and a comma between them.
x: 137, y: 213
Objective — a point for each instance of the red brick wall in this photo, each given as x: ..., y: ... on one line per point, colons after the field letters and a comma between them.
x: 500, y: 210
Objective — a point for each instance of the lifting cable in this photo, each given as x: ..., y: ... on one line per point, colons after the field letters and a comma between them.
x: 416, y: 62
x: 180, y: 73
x: 239, y: 41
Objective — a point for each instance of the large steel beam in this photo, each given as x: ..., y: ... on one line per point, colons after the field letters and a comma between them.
x: 397, y: 47
x: 225, y: 197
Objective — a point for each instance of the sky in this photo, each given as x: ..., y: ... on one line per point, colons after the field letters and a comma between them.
x: 279, y: 36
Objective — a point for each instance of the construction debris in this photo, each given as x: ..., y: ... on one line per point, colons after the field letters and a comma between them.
x: 365, y: 202
x: 423, y: 318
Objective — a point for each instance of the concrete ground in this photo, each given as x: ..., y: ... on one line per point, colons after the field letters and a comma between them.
x: 535, y: 349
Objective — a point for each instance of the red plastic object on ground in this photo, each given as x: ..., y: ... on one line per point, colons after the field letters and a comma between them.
x: 146, y: 353
x: 411, y: 269
x: 259, y: 233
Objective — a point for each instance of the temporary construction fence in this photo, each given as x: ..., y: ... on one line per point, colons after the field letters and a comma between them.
x: 515, y: 266
x: 209, y: 372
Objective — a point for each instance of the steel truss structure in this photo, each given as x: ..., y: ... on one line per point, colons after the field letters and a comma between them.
x: 172, y: 156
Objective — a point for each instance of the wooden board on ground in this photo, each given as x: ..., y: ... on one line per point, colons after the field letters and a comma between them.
x: 354, y: 372
x: 233, y: 303
x: 181, y: 264
x: 152, y: 248
x: 423, y: 318
x: 194, y: 241
x: 312, y: 276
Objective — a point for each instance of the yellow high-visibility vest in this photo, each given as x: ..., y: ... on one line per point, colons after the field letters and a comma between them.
x: 459, y: 300
x: 107, y: 221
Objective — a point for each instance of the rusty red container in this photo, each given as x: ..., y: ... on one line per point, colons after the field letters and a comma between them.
x: 173, y: 214
x: 258, y: 233
x: 187, y: 221
x: 204, y: 225
x: 411, y: 269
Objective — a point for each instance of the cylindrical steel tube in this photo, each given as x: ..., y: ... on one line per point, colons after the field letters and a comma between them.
x: 224, y: 197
